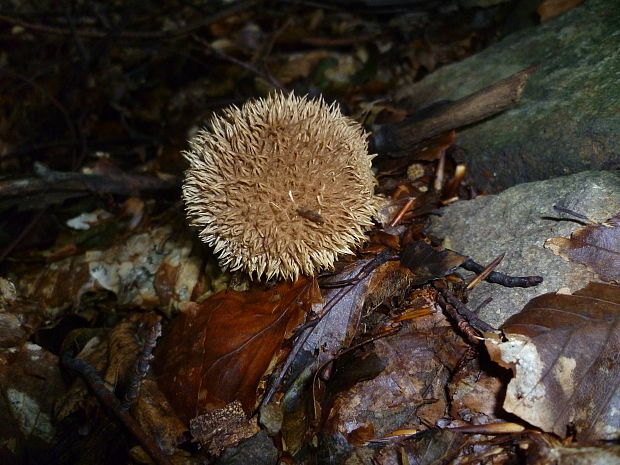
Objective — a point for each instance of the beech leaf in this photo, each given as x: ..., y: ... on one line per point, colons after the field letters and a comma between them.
x: 428, y: 263
x: 564, y: 352
x: 595, y: 246
x: 216, y: 352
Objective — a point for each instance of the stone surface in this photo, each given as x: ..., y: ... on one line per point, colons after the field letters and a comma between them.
x: 568, y: 119
x: 517, y: 222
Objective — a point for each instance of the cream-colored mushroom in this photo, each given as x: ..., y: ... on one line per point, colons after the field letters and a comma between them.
x: 281, y: 186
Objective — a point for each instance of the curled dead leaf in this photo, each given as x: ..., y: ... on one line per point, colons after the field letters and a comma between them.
x: 216, y: 352
x: 596, y: 246
x: 564, y: 352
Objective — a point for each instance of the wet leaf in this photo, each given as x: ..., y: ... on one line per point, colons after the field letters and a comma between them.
x: 216, y: 352
x: 428, y: 263
x: 112, y: 353
x: 563, y: 350
x: 156, y: 416
x: 596, y: 246
x: 364, y: 284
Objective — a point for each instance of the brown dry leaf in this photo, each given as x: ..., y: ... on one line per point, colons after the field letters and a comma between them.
x: 563, y: 350
x: 156, y: 416
x: 431, y: 149
x: 428, y: 263
x: 595, y: 246
x: 552, y: 8
x: 30, y: 381
x: 19, y: 319
x: 433, y: 446
x: 148, y: 269
x: 395, y: 382
x: 475, y: 395
x: 216, y: 352
x: 544, y: 449
x: 368, y: 283
x: 112, y: 354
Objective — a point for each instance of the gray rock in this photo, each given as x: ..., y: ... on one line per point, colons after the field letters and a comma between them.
x: 568, y: 119
x: 518, y: 222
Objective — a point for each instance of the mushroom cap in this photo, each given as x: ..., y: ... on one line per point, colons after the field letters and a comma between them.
x: 281, y: 186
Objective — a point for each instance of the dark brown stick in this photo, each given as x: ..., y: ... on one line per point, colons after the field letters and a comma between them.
x: 484, y: 273
x: 50, y: 182
x: 471, y: 109
x: 143, y: 364
x: 464, y: 317
x: 113, y: 406
x: 501, y: 278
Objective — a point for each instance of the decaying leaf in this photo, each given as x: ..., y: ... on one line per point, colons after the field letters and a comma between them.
x: 113, y: 354
x: 564, y: 352
x: 428, y: 263
x: 216, y: 352
x: 19, y: 319
x: 298, y: 66
x: 30, y: 381
x: 410, y: 390
x: 364, y: 284
x: 543, y: 449
x: 432, y: 446
x: 148, y: 269
x: 596, y: 246
x: 156, y: 416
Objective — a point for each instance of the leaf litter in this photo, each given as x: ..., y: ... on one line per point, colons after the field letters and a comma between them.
x: 377, y: 362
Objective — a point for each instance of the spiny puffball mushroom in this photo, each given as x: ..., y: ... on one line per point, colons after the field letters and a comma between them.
x: 281, y: 186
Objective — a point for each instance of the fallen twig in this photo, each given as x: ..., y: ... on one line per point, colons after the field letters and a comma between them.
x: 113, y: 406
x: 501, y: 278
x: 143, y: 364
x: 395, y: 138
x: 56, y: 182
x: 465, y: 319
x: 484, y: 273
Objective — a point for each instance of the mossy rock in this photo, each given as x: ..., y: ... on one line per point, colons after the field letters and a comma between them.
x: 568, y: 119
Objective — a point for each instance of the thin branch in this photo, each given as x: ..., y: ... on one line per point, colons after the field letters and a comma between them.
x: 143, y: 364
x: 266, y: 76
x: 501, y: 278
x: 475, y: 107
x: 70, y: 183
x: 113, y: 406
x: 484, y: 273
x: 465, y: 319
